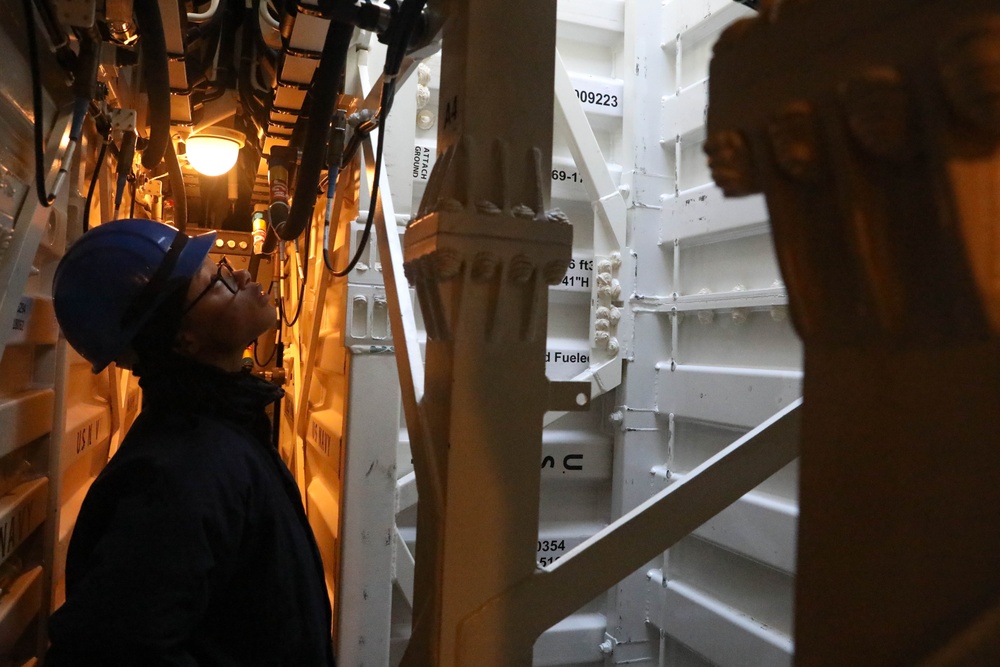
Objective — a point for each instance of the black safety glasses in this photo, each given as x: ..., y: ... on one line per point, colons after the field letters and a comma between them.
x: 223, y: 275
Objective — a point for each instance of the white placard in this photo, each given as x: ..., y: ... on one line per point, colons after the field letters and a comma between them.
x: 599, y: 95
x: 579, y: 276
x: 424, y: 157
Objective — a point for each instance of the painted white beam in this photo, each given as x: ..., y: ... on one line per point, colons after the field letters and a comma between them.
x: 733, y: 396
x: 21, y: 244
x: 593, y: 21
x: 757, y: 299
x: 684, y: 113
x: 757, y: 526
x: 403, y: 566
x: 609, y: 231
x: 719, y: 632
x: 610, y: 215
x: 367, y: 523
x: 403, y: 324
x: 26, y: 416
x: 406, y: 492
x: 654, y: 526
x: 703, y: 215
x: 22, y: 603
x: 694, y: 20
x: 572, y: 641
x: 575, y: 455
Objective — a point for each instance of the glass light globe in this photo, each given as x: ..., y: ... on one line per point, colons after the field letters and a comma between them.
x: 214, y: 152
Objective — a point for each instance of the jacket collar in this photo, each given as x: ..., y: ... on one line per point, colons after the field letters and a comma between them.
x: 194, y: 387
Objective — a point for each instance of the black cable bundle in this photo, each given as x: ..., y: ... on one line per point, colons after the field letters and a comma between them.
x: 400, y: 32
x: 44, y: 198
x: 325, y: 90
x: 155, y: 69
x: 93, y: 182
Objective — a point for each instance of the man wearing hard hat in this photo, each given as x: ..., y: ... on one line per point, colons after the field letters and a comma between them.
x: 192, y: 546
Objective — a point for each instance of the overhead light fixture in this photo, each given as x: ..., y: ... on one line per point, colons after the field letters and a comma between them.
x: 214, y: 151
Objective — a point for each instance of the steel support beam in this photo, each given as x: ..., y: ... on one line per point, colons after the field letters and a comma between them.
x: 586, y: 571
x: 482, y: 252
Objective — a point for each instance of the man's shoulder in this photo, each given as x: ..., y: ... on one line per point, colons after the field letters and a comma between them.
x: 172, y: 428
x: 189, y: 444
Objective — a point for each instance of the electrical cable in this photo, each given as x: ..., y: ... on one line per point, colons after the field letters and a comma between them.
x: 264, y: 363
x: 407, y: 19
x: 302, y: 285
x: 155, y: 68
x: 298, y: 306
x: 323, y: 94
x: 278, y: 300
x: 206, y: 15
x: 303, y: 279
x: 359, y: 135
x: 282, y: 267
x: 330, y: 188
x: 64, y: 54
x: 369, y: 222
x: 222, y: 63
x: 177, y: 188
x: 131, y: 205
x: 44, y: 198
x: 93, y: 182
x: 335, y: 156
x: 244, y: 84
x: 279, y: 353
x: 125, y: 158
x: 84, y: 69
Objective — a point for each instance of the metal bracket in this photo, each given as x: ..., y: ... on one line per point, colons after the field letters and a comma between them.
x: 77, y: 13
x: 569, y: 396
x: 123, y: 119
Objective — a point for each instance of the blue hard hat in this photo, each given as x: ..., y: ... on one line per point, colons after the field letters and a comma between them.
x: 110, y: 282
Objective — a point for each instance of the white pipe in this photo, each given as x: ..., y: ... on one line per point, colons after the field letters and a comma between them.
x: 266, y: 15
x: 255, y: 82
x: 268, y: 28
x: 662, y: 472
x: 201, y: 18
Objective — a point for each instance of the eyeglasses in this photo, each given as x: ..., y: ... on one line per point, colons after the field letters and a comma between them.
x: 223, y: 275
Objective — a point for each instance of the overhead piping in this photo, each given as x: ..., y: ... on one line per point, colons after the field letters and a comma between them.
x: 204, y: 16
x: 325, y: 89
x: 125, y: 156
x: 265, y: 14
x: 177, y: 188
x: 157, y: 75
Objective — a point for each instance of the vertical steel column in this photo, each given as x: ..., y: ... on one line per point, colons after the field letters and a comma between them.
x: 873, y: 130
x: 366, y: 528
x: 482, y: 252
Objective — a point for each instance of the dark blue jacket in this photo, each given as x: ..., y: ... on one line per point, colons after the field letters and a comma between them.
x: 192, y: 546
